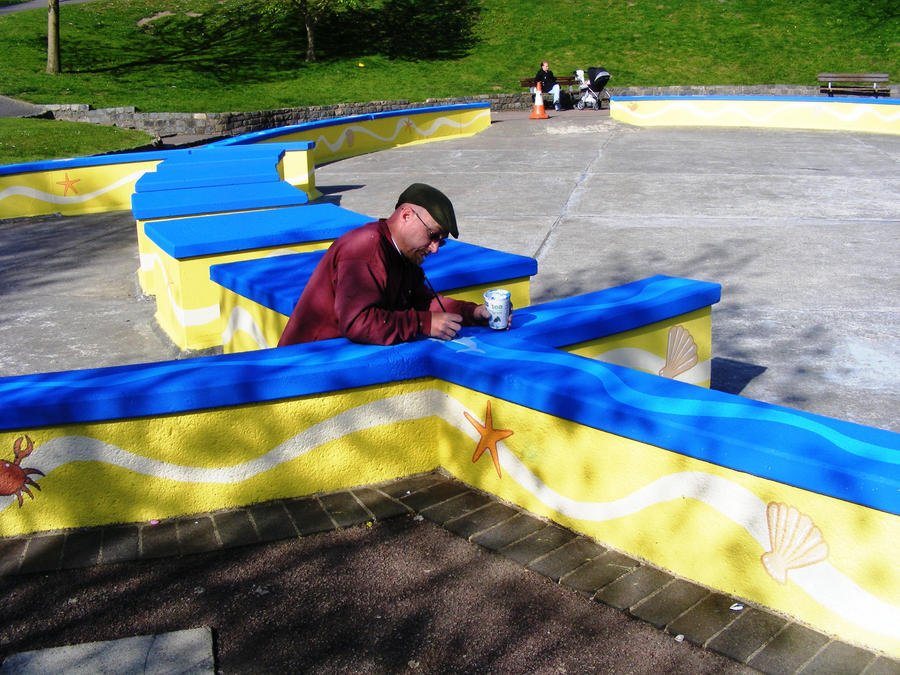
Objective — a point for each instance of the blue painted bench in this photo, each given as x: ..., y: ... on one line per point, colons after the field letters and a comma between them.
x: 276, y: 283
x: 192, y: 201
x: 208, y: 179
x: 176, y: 255
x: 257, y: 296
x: 201, y: 173
x: 232, y: 232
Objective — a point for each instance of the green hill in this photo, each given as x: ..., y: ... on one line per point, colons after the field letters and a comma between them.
x: 211, y: 55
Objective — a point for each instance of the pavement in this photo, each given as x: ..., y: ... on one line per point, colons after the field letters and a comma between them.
x: 35, y: 4
x: 799, y: 228
x: 13, y: 107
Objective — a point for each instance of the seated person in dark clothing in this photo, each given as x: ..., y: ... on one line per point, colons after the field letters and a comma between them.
x: 370, y: 288
x: 547, y: 80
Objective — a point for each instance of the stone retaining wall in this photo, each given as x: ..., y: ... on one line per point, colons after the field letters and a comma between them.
x: 164, y: 124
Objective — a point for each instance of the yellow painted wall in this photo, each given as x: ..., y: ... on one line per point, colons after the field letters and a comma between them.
x: 87, y: 189
x: 679, y: 348
x: 359, y: 137
x: 781, y: 113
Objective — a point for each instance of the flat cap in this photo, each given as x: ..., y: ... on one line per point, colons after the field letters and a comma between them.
x: 435, y: 202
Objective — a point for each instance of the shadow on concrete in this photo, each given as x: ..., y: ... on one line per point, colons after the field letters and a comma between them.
x: 46, y: 250
x: 732, y: 376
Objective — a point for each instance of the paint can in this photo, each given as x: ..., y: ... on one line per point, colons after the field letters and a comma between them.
x: 497, y: 301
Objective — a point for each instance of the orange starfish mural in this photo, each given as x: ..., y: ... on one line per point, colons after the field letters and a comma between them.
x: 68, y: 183
x: 489, y: 437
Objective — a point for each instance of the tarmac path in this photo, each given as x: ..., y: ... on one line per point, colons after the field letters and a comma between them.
x: 35, y: 4
x: 403, y: 596
x: 11, y: 107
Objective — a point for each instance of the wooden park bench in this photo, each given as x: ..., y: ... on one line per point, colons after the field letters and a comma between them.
x: 854, y: 84
x: 564, y: 82
x: 568, y: 86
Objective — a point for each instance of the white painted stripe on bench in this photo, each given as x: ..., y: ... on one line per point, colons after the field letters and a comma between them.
x: 64, y: 450
x: 300, y: 178
x: 240, y: 319
x: 148, y: 260
x: 821, y: 581
x: 186, y: 317
x: 194, y: 317
x: 40, y: 195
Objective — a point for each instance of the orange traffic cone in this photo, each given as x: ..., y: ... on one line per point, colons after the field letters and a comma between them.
x: 538, y: 113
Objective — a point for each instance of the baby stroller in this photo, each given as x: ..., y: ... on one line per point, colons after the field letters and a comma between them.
x: 593, y: 89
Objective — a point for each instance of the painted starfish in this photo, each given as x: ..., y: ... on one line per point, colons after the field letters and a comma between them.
x: 68, y: 183
x: 489, y: 437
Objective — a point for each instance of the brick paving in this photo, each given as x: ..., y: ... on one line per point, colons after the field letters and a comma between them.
x: 729, y: 626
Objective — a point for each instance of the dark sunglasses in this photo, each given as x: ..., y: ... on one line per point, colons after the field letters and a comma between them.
x: 433, y: 235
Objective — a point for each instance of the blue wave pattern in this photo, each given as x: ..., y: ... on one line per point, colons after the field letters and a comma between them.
x: 524, y: 366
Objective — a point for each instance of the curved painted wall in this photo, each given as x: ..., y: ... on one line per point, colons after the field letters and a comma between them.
x: 106, y: 182
x: 877, y: 115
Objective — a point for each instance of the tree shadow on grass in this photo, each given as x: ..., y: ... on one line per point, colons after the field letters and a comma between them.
x: 250, y: 42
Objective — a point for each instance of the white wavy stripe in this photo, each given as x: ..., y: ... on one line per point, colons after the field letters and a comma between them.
x: 847, y: 599
x: 300, y: 178
x: 276, y: 252
x: 401, y: 124
x: 201, y: 315
x: 640, y: 359
x: 192, y: 317
x: 821, y: 581
x: 855, y: 113
x: 63, y: 450
x: 732, y: 500
x: 240, y: 319
x: 40, y: 195
x: 148, y: 260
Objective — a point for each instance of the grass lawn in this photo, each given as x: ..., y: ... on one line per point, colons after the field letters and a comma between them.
x: 33, y: 140
x: 215, y: 56
x: 240, y: 55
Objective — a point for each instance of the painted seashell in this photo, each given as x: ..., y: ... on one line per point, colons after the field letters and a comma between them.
x: 794, y: 539
x: 681, y: 352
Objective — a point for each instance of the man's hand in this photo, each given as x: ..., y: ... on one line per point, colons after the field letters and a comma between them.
x: 445, y: 325
x: 483, y: 314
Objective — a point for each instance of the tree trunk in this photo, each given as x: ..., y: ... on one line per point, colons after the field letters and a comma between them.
x: 53, y: 65
x: 310, y: 37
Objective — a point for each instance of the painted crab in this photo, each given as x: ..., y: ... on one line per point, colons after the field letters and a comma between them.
x: 14, y: 480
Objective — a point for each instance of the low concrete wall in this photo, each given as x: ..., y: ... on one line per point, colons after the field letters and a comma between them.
x: 107, y: 182
x: 235, y: 123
